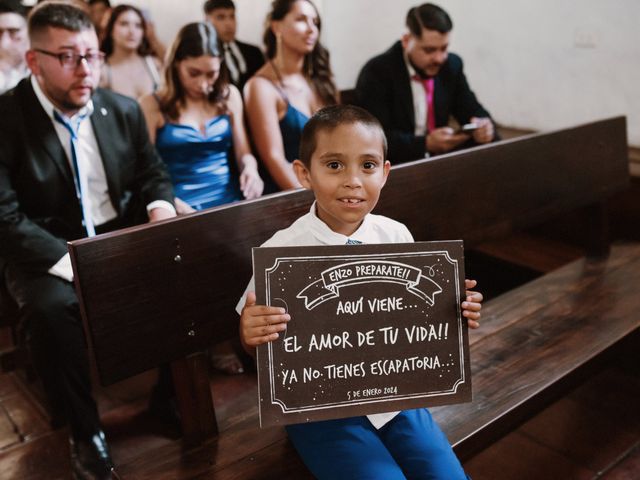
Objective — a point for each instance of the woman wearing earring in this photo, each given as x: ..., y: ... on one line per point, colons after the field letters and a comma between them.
x: 130, y: 68
x: 196, y: 122
x: 295, y: 82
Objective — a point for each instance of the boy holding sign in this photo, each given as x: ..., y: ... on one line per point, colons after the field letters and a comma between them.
x: 343, y: 161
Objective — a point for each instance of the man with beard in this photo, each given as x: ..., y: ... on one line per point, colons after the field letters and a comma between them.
x: 75, y: 161
x: 415, y: 86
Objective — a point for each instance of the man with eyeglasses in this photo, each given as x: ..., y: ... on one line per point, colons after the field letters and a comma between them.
x: 75, y: 161
x: 13, y: 44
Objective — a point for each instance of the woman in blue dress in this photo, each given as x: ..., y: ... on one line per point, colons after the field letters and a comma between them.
x: 295, y: 82
x: 196, y: 122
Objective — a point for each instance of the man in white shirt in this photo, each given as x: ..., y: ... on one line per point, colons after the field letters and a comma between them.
x: 241, y: 59
x: 13, y: 44
x: 75, y: 161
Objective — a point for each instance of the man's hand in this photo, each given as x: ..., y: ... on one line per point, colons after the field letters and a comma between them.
x: 160, y: 214
x: 444, y: 139
x: 260, y: 324
x: 484, y: 134
x: 472, y: 304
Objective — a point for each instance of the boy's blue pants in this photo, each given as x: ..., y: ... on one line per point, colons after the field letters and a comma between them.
x: 410, y: 446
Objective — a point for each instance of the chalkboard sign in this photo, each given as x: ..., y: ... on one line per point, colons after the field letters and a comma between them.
x: 374, y: 328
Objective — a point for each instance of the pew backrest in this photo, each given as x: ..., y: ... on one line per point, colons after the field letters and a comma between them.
x: 158, y: 292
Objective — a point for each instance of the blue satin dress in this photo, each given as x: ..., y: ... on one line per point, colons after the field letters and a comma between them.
x: 291, y: 126
x: 199, y: 164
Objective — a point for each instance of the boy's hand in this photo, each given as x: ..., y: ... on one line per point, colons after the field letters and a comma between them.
x: 260, y: 324
x: 472, y: 304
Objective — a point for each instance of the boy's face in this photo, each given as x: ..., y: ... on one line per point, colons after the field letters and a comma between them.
x: 346, y: 174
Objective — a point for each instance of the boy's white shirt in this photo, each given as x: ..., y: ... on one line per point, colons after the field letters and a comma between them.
x: 310, y: 230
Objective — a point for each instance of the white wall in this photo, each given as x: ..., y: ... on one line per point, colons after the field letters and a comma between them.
x: 170, y: 15
x: 540, y: 65
x: 536, y: 65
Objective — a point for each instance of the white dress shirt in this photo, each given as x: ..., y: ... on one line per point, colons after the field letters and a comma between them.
x: 94, y: 177
x: 88, y: 156
x: 419, y: 97
x: 309, y: 230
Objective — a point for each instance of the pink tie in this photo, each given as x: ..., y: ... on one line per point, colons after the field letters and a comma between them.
x: 431, y: 114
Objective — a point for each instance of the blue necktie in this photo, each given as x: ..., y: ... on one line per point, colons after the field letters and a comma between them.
x: 87, y: 223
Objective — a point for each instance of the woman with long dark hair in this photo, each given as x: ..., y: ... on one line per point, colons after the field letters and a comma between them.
x: 130, y: 67
x: 295, y: 82
x: 196, y: 122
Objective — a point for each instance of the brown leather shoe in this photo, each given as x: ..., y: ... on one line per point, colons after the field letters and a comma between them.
x: 90, y: 458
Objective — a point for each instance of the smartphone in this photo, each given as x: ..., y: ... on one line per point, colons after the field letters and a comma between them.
x: 468, y: 128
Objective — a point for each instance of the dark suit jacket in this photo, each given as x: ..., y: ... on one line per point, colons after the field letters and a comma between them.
x: 254, y: 59
x: 39, y: 211
x: 384, y: 89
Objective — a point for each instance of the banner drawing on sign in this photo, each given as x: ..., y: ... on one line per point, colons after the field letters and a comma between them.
x: 355, y: 273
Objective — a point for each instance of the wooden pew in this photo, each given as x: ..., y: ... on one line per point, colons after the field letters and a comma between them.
x: 161, y: 293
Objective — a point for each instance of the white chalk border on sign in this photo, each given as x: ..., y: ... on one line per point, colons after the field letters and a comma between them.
x: 338, y: 357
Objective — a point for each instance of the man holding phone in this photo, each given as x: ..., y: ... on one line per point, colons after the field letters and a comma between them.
x: 415, y: 86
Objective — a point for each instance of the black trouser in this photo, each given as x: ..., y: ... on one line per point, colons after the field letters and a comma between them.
x: 50, y: 317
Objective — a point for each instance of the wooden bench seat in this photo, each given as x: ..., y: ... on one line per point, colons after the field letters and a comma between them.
x: 542, y: 338
x: 158, y: 293
x: 574, y: 306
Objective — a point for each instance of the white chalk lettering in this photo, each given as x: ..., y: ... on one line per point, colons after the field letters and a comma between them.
x: 309, y: 374
x: 388, y: 304
x: 381, y: 270
x: 390, y: 335
x: 328, y: 341
x: 392, y: 366
x: 347, y: 370
x: 289, y: 376
x: 366, y: 338
x: 350, y: 307
x: 339, y: 273
x: 427, y: 334
x: 291, y: 344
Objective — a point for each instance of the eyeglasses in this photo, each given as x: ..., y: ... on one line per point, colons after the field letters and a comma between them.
x: 72, y: 60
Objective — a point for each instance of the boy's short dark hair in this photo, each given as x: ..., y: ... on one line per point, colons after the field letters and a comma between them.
x: 211, y: 5
x: 428, y: 16
x: 57, y: 15
x: 13, y: 6
x: 329, y: 118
